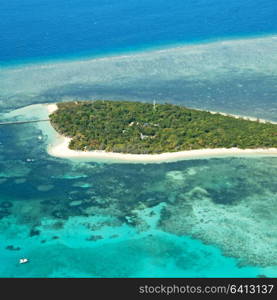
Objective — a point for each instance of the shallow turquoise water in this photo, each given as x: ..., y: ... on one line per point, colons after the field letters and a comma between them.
x: 200, y: 218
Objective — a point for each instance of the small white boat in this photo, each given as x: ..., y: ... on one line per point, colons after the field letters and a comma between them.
x: 23, y: 260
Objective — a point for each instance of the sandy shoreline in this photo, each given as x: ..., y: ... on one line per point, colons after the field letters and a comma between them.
x: 60, y: 149
x: 52, y: 108
x: 243, y: 117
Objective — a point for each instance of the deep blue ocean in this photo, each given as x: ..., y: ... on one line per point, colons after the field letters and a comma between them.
x: 45, y: 29
x: 212, y: 217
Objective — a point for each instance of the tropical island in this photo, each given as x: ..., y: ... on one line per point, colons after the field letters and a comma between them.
x: 144, y: 128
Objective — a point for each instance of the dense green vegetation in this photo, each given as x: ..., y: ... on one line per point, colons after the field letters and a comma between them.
x: 133, y: 127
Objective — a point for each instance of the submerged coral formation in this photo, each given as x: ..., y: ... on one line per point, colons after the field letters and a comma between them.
x: 145, y: 213
x: 245, y: 230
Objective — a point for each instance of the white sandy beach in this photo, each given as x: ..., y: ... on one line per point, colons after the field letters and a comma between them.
x: 60, y: 149
x: 243, y: 117
x: 52, y: 108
